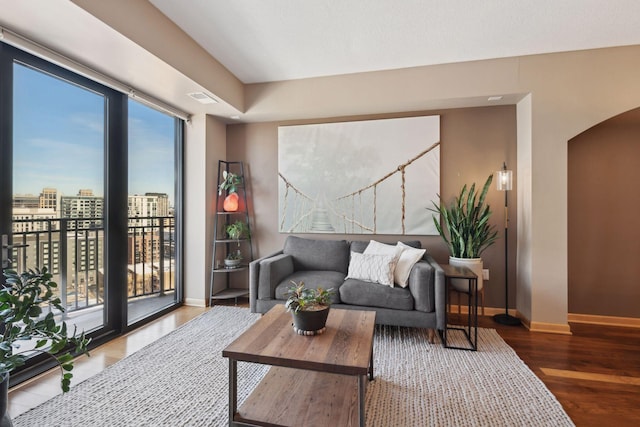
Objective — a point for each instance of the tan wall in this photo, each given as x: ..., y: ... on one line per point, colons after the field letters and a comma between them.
x: 205, y: 144
x: 604, y: 239
x: 474, y: 144
x: 558, y: 96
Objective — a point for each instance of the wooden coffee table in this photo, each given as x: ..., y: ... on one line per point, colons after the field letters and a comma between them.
x: 331, y: 393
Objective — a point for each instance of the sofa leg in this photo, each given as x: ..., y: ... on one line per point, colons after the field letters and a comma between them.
x: 431, y: 335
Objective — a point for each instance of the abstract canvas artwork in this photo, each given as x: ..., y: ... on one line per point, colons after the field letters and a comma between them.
x: 361, y: 177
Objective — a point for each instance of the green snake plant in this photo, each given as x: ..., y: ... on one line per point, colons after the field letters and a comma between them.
x: 466, y: 229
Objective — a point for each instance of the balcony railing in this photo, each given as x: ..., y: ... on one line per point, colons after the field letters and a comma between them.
x: 73, y: 251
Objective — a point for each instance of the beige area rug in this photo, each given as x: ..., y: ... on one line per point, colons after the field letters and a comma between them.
x: 181, y: 380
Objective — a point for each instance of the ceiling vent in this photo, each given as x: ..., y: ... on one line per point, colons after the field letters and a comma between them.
x: 203, y: 98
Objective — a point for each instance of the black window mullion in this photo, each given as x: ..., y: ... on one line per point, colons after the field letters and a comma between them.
x: 116, y: 212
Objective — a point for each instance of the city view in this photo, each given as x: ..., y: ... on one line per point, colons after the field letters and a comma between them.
x: 66, y: 234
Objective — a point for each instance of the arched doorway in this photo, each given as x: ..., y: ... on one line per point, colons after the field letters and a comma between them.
x: 603, y: 211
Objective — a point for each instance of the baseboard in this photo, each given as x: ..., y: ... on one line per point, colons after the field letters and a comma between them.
x: 195, y: 302
x: 593, y: 319
x: 551, y: 328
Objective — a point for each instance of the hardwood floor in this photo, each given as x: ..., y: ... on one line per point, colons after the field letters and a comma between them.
x: 594, y: 373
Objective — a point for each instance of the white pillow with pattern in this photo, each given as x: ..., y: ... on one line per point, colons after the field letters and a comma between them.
x: 372, y: 268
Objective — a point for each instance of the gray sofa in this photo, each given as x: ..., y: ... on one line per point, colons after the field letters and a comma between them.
x: 325, y: 263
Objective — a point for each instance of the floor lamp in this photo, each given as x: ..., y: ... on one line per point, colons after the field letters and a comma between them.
x: 504, y: 182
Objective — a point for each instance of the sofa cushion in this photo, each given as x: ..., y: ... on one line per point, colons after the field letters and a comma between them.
x: 357, y: 292
x: 312, y: 280
x: 310, y: 254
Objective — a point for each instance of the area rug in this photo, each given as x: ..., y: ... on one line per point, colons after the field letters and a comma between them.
x: 182, y: 380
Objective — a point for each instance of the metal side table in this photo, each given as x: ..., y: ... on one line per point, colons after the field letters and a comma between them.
x: 470, y: 331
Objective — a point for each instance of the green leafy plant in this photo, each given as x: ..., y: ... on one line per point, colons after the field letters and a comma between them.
x: 22, y: 319
x: 235, y: 256
x: 230, y: 183
x: 300, y: 298
x: 466, y: 229
x: 237, y: 230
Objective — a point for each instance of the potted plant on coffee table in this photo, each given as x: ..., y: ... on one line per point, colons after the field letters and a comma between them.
x: 309, y: 308
x: 466, y: 229
x: 22, y: 299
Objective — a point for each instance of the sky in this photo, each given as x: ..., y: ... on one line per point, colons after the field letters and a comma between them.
x: 59, y: 139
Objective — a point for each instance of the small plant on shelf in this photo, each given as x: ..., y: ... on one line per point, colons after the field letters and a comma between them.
x: 237, y: 230
x: 230, y: 183
x: 233, y: 259
x: 234, y: 256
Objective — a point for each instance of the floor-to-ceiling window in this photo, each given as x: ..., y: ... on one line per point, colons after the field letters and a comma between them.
x: 89, y: 188
x: 58, y: 188
x: 151, y: 241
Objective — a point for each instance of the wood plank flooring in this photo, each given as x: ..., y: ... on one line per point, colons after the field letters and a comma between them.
x: 593, y: 373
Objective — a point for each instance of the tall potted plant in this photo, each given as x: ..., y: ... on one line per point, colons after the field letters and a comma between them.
x: 466, y: 229
x: 21, y: 319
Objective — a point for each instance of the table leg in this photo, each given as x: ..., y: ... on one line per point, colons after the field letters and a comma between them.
x: 475, y: 317
x: 233, y: 390
x: 447, y: 284
x: 371, y: 366
x: 361, y: 388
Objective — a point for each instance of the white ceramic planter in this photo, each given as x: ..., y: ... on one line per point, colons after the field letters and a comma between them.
x: 473, y: 264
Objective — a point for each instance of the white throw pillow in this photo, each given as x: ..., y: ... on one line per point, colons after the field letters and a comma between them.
x: 378, y: 248
x: 408, y: 258
x: 372, y: 268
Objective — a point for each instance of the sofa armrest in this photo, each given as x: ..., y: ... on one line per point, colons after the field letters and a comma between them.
x: 421, y: 281
x: 265, y: 274
x: 427, y: 286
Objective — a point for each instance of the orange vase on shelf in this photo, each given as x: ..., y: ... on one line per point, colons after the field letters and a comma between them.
x: 231, y: 203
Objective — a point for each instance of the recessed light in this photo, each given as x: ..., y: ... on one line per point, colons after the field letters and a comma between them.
x: 203, y: 98
x: 495, y: 98
x: 235, y: 117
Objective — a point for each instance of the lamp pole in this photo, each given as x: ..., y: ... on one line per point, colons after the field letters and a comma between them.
x: 504, y: 183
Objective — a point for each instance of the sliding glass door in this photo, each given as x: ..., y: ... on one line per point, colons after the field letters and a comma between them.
x: 151, y: 273
x: 89, y: 189
x: 58, y: 188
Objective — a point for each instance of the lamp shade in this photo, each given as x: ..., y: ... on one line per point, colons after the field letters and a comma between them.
x: 504, y: 179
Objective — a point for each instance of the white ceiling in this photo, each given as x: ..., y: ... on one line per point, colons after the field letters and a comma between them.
x: 272, y: 40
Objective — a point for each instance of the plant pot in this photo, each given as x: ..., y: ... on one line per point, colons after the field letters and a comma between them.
x: 310, y: 322
x: 473, y: 264
x: 5, y: 420
x: 232, y: 263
